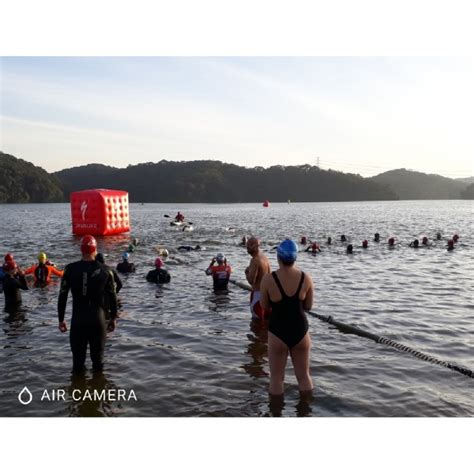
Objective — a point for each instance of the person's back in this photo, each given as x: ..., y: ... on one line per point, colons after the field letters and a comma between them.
x: 125, y: 266
x: 220, y: 272
x: 158, y: 275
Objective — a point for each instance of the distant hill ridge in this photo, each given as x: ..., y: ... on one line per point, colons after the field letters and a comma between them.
x: 217, y: 182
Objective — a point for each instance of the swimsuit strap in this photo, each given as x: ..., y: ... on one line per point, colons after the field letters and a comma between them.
x: 277, y: 281
x: 283, y: 294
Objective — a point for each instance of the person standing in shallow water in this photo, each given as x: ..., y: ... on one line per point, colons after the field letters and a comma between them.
x: 258, y: 267
x: 288, y: 292
x: 91, y: 284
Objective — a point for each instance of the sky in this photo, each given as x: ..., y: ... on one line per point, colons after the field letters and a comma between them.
x: 352, y: 114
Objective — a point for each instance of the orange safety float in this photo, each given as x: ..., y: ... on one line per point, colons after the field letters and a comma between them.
x: 100, y: 212
x: 266, y: 203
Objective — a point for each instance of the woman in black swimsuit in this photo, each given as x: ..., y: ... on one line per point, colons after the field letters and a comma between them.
x: 288, y: 292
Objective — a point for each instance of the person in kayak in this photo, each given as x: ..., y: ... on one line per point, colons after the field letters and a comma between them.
x: 189, y: 248
x: 220, y: 271
x: 258, y: 267
x: 179, y: 217
x: 91, y: 284
x: 13, y: 282
x: 288, y: 293
x: 42, y: 271
x: 159, y: 274
x: 125, y: 266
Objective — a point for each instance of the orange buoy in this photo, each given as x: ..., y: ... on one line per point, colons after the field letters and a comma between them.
x: 266, y: 203
x: 99, y: 212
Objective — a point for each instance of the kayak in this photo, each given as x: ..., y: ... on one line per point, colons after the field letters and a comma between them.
x: 188, y: 228
x: 177, y: 223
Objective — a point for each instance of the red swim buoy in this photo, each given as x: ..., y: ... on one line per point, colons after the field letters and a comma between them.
x: 266, y: 203
x: 99, y: 212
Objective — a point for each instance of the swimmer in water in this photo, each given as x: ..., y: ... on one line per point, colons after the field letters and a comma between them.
x: 125, y: 266
x: 349, y: 249
x: 391, y: 242
x: 303, y: 240
x: 42, y: 271
x: 450, y: 245
x: 159, y: 275
x: 376, y: 237
x: 220, y: 271
x: 188, y: 248
x: 329, y: 241
x: 415, y: 244
x: 438, y: 236
x: 243, y: 242
x: 314, y: 248
x: 343, y: 238
x: 365, y: 244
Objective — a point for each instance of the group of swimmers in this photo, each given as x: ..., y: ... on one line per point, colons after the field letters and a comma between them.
x: 279, y: 298
x: 314, y: 247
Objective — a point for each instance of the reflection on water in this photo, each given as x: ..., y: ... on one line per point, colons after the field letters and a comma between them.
x: 257, y: 349
x: 86, y: 395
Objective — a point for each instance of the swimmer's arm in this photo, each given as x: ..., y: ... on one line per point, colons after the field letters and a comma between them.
x: 110, y: 289
x: 308, y: 300
x: 264, y: 297
x: 56, y: 272
x: 252, y: 272
x: 62, y: 300
x: 29, y: 270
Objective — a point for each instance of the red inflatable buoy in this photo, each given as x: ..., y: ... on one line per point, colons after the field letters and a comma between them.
x: 99, y: 212
x: 266, y: 203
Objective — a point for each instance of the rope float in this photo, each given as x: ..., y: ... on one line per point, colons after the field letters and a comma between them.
x: 349, y: 329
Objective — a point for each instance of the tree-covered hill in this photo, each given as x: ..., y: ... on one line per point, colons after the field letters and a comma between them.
x: 21, y: 181
x: 216, y: 182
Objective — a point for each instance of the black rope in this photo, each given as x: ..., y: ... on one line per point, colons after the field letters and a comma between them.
x: 349, y: 329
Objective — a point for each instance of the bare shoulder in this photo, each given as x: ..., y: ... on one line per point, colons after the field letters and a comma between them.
x: 308, y: 280
x: 266, y: 279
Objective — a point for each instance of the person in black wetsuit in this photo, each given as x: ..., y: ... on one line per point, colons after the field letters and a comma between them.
x: 13, y: 282
x: 90, y: 283
x: 288, y: 325
x: 188, y: 248
x: 125, y: 266
x: 159, y: 274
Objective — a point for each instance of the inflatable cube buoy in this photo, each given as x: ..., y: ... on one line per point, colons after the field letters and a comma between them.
x: 100, y: 212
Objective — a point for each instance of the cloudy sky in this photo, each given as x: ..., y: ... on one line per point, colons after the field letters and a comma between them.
x: 361, y: 115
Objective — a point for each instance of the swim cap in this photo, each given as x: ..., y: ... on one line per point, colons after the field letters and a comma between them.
x: 349, y: 248
x: 455, y: 237
x: 424, y: 240
x: 303, y: 239
x: 220, y: 257
x: 450, y: 242
x: 165, y: 253
x: 125, y: 255
x: 158, y: 262
x: 88, y: 245
x: 42, y: 257
x: 391, y: 241
x: 8, y: 256
x: 287, y: 251
x: 100, y: 258
x: 9, y: 265
x: 365, y: 243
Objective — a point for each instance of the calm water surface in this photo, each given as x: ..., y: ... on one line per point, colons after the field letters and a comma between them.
x: 188, y: 352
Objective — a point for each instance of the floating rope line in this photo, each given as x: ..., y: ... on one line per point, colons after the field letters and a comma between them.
x: 349, y: 329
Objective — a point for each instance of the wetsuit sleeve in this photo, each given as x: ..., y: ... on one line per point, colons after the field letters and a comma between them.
x: 118, y: 282
x: 63, y: 292
x: 30, y: 270
x: 20, y: 282
x: 132, y: 267
x: 112, y: 295
x: 55, y: 271
x: 209, y: 271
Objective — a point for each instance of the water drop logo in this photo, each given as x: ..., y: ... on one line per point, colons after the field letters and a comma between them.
x: 25, y: 396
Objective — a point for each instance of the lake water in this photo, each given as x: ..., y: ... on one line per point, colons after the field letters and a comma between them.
x: 187, y: 352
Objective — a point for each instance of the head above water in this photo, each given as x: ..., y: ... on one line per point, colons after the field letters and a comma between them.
x: 8, y: 257
x: 252, y: 245
x: 416, y: 243
x: 455, y: 238
x: 125, y: 256
x: 424, y: 240
x: 438, y: 236
x: 349, y: 248
x: 365, y: 243
x: 10, y: 266
x: 88, y: 245
x: 343, y: 238
x: 329, y: 240
x: 287, y: 252
x: 42, y: 257
x: 158, y: 262
x: 376, y: 237
x: 303, y: 240
x: 220, y: 258
x: 391, y: 241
